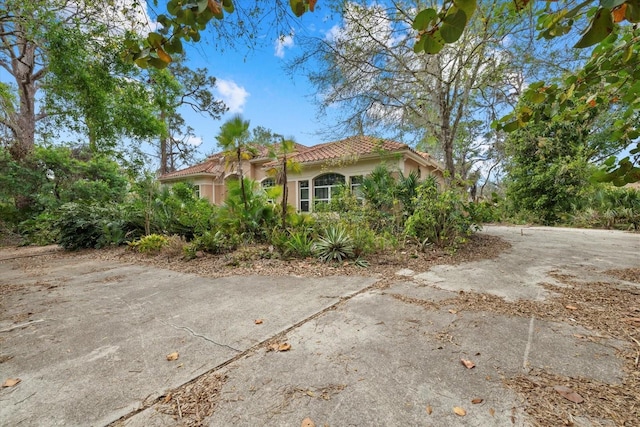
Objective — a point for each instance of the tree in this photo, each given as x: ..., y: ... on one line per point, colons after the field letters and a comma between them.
x: 25, y: 28
x: 175, y: 87
x: 549, y: 161
x: 281, y: 152
x: 90, y: 90
x: 186, y: 20
x: 368, y: 66
x: 232, y: 138
x: 21, y: 25
x: 609, y: 81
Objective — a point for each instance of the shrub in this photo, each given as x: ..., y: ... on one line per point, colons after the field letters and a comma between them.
x: 83, y: 226
x: 335, y: 244
x: 40, y: 230
x: 440, y: 217
x: 299, y: 244
x: 216, y: 242
x: 152, y: 243
x: 175, y: 246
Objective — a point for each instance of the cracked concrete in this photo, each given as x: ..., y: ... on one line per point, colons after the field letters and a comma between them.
x: 95, y: 347
x: 195, y: 334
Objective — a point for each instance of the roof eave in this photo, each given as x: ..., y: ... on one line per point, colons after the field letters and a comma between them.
x: 188, y: 175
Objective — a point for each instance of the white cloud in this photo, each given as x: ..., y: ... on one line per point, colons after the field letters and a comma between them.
x: 282, y: 43
x: 234, y: 96
x: 335, y: 33
x: 193, y: 140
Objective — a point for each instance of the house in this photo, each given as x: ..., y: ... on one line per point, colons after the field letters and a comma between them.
x: 324, y: 167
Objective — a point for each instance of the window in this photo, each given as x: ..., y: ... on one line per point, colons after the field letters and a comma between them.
x: 304, y: 196
x: 356, y: 182
x: 196, y: 189
x: 268, y: 183
x: 325, y: 185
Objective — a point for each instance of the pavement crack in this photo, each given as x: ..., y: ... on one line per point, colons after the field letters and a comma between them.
x: 195, y: 334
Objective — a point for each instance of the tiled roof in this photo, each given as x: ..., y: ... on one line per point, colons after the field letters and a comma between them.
x: 355, y: 145
x: 214, y: 165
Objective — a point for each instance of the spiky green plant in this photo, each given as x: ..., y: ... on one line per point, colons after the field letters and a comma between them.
x: 336, y: 245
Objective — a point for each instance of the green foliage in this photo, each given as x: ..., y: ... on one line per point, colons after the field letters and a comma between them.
x: 610, y: 207
x: 438, y: 27
x: 548, y: 168
x: 215, y: 242
x: 92, y: 91
x: 440, y: 217
x: 247, y: 212
x: 185, y: 21
x: 298, y: 244
x: 607, y: 82
x: 40, y: 230
x: 152, y: 243
x: 334, y: 245
x: 153, y: 208
x: 52, y: 176
x: 83, y: 225
x: 484, y: 211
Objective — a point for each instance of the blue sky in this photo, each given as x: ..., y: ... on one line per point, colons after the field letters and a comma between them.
x: 253, y: 82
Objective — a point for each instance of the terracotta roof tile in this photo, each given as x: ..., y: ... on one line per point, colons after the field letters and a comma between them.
x: 355, y: 145
x: 214, y: 165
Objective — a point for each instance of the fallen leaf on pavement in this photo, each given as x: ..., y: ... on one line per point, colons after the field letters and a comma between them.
x: 10, y: 382
x: 468, y: 363
x: 173, y: 356
x: 258, y: 321
x: 632, y: 319
x: 571, y: 307
x: 307, y: 422
x: 285, y: 346
x: 477, y: 401
x: 492, y: 412
x: 429, y: 410
x: 167, y: 398
x: 452, y: 311
x: 568, y: 394
x: 459, y: 411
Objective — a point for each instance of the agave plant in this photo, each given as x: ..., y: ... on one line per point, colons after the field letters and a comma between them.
x: 336, y: 245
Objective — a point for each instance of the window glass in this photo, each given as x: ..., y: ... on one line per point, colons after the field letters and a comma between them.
x: 304, y: 195
x: 268, y: 183
x: 325, y: 185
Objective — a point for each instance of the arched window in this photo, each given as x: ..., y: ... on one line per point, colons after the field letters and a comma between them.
x: 325, y: 185
x: 268, y: 183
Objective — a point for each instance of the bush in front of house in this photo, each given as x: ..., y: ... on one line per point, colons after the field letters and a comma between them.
x: 440, y: 217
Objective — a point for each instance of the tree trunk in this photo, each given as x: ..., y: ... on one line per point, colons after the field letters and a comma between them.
x: 285, y: 192
x: 244, y: 195
x: 163, y: 148
x: 24, y: 121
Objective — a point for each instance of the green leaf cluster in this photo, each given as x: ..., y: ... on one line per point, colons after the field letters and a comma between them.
x: 437, y: 28
x: 608, y: 82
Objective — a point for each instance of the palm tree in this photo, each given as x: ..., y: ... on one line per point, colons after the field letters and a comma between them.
x: 232, y: 138
x: 281, y: 153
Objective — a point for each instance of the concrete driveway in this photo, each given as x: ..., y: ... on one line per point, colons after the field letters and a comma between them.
x: 89, y: 339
